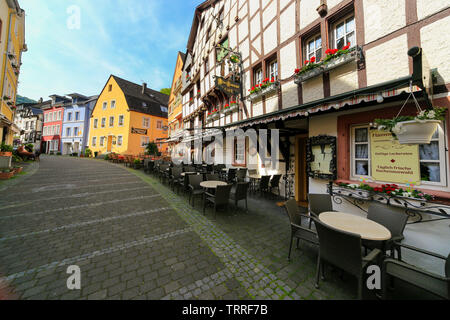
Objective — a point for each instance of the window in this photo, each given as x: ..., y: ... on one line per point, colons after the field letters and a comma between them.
x: 119, y: 140
x: 105, y: 105
x: 272, y: 70
x: 113, y: 104
x: 314, y: 48
x: 239, y: 151
x: 207, y: 65
x: 144, y: 141
x: 145, y: 122
x: 344, y: 32
x: 257, y: 76
x: 50, y: 117
x: 110, y: 88
x: 75, y: 131
x: 32, y: 125
x: 159, y: 125
x: 103, y: 122
x: 111, y: 122
x: 94, y: 141
x: 68, y: 132
x: 431, y: 156
x: 27, y: 124
x: 46, y: 117
x: 95, y: 123
x: 59, y: 115
x: 102, y: 141
x: 208, y: 33
x: 77, y: 116
x: 57, y: 130
x: 69, y: 116
x: 44, y: 131
x: 121, y: 120
x: 164, y: 109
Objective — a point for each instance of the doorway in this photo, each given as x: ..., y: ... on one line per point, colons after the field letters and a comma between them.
x: 301, y: 176
x: 109, y: 146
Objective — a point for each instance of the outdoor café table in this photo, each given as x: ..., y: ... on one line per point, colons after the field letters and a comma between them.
x: 212, y: 184
x: 253, y: 180
x: 368, y: 229
x: 187, y: 173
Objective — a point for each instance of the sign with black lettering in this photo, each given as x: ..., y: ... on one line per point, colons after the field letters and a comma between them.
x: 139, y: 131
x: 227, y: 86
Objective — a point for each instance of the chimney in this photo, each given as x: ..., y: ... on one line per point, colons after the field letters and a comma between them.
x: 41, y: 100
x: 144, y: 88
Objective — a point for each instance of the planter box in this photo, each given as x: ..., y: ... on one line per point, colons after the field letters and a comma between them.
x: 344, y: 59
x: 6, y: 175
x: 231, y: 109
x: 5, y: 154
x: 264, y: 92
x: 18, y: 170
x: 416, y: 132
x: 308, y: 75
x: 5, y: 161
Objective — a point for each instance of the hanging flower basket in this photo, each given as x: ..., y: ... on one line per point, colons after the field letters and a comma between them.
x: 413, y: 130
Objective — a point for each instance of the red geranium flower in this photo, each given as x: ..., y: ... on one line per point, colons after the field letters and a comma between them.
x: 328, y: 51
x: 306, y: 62
x: 335, y: 50
x: 313, y: 59
x: 273, y: 79
x: 297, y: 70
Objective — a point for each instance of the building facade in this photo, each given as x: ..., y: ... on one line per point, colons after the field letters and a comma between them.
x: 29, y: 118
x: 320, y: 68
x: 127, y: 117
x: 175, y: 118
x: 12, y: 42
x: 53, y: 122
x: 75, y: 128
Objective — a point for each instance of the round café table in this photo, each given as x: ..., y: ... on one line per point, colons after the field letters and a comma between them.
x: 187, y: 173
x: 368, y: 229
x: 212, y: 184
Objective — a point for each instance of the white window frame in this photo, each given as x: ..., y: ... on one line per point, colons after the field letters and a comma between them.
x: 95, y: 123
x: 344, y: 20
x: 258, y: 76
x: 102, y: 141
x: 272, y: 70
x: 105, y: 105
x: 443, y: 161
x: 76, y: 130
x: 123, y: 120
x: 145, y: 140
x: 57, y: 129
x: 146, y: 122
x: 94, y: 141
x: 310, y: 54
x: 119, y: 140
x: 69, y: 116
x: 353, y: 152
x: 103, y: 123
x: 77, y: 116
x: 113, y: 120
x: 113, y: 104
x: 59, y: 115
x: 68, y: 132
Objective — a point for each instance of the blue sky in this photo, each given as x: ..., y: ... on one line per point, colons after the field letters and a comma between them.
x: 135, y: 39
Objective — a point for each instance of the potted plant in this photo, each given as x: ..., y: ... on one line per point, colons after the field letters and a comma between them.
x: 17, y: 169
x: 417, y: 129
x: 6, y: 98
x: 6, y: 150
x: 137, y: 164
x: 6, y: 174
x: 88, y: 153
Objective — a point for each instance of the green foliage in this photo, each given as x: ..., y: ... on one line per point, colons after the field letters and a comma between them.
x: 88, y: 153
x: 29, y: 147
x: 166, y: 91
x: 106, y: 157
x: 152, y: 149
x: 137, y: 161
x: 6, y: 147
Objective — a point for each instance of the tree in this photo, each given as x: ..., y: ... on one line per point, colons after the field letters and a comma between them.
x: 152, y: 149
x: 166, y: 91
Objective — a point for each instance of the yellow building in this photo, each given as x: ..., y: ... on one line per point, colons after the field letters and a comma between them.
x: 12, y: 42
x: 175, y: 100
x: 126, y: 117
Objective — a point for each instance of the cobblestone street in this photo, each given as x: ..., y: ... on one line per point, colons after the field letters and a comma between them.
x: 134, y: 238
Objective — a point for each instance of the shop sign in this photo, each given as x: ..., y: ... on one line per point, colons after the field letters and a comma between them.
x: 392, y: 161
x: 228, y: 87
x: 139, y: 131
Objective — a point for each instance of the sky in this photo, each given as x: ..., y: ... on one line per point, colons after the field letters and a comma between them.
x: 75, y: 45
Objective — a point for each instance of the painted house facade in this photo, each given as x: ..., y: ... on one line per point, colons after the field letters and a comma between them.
x: 127, y: 117
x: 75, y: 128
x: 30, y: 120
x: 53, y: 122
x: 12, y: 42
x: 340, y: 98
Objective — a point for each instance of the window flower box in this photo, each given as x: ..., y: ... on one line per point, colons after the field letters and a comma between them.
x: 340, y: 58
x: 302, y: 77
x: 264, y: 89
x: 230, y: 108
x: 213, y: 115
x: 6, y: 174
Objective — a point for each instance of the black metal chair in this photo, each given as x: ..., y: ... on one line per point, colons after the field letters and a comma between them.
x: 175, y: 177
x: 342, y: 250
x: 239, y: 192
x: 194, y: 187
x: 298, y: 230
x: 319, y: 203
x: 433, y: 283
x: 394, y: 219
x: 231, y: 175
x: 264, y: 184
x: 241, y: 175
x: 163, y: 172
x: 220, y: 198
x: 275, y: 183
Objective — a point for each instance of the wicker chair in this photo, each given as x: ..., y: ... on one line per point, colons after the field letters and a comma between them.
x: 275, y: 183
x: 194, y: 187
x: 430, y: 282
x: 298, y: 229
x: 241, y: 175
x: 264, y: 184
x: 220, y: 198
x: 212, y: 177
x: 239, y: 192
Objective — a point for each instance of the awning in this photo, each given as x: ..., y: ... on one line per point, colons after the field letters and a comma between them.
x: 368, y: 94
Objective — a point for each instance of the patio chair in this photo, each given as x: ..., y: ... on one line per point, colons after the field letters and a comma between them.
x: 319, y: 203
x: 163, y: 173
x: 342, y: 250
x: 218, y: 168
x: 220, y: 198
x: 212, y: 177
x: 433, y: 283
x: 264, y: 184
x: 175, y: 177
x: 194, y: 187
x: 239, y: 192
x: 241, y: 175
x: 394, y: 219
x: 231, y: 175
x: 275, y: 183
x: 298, y: 229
